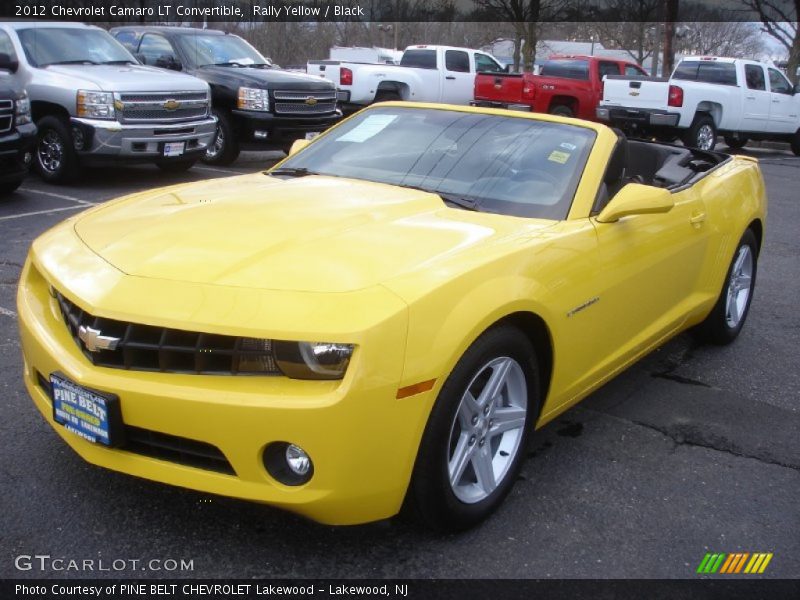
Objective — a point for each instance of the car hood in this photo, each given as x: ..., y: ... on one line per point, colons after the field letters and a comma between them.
x: 129, y: 78
x: 272, y: 79
x: 320, y: 234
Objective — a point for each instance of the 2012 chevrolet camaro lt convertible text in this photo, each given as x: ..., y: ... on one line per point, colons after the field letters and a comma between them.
x: 382, y: 319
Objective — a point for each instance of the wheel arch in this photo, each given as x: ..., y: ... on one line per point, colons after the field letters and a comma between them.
x: 757, y: 227
x: 399, y: 87
x: 712, y: 109
x: 41, y: 108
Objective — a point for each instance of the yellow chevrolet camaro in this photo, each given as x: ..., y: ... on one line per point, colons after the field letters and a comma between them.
x: 384, y: 317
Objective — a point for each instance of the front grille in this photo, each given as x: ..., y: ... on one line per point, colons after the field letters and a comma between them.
x: 149, y: 348
x: 163, y: 446
x: 6, y: 115
x: 162, y: 107
x: 297, y: 102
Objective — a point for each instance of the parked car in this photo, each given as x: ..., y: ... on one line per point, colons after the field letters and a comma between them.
x: 387, y: 314
x: 17, y: 131
x: 93, y: 103
x: 257, y: 107
x: 425, y: 74
x: 570, y: 86
x: 707, y: 96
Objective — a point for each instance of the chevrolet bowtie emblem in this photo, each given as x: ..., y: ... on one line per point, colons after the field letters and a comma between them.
x: 311, y: 101
x: 95, y: 341
x: 633, y: 93
x: 171, y: 104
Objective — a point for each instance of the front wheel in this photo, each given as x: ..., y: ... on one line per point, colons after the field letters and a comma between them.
x: 474, y: 443
x: 225, y: 148
x: 55, y: 158
x: 176, y: 166
x: 727, y: 318
x: 702, y: 134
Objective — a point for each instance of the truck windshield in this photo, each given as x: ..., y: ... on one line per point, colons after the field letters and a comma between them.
x: 228, y: 50
x: 507, y: 165
x: 71, y: 45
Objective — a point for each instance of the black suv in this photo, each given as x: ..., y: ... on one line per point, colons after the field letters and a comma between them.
x: 17, y: 132
x: 258, y: 106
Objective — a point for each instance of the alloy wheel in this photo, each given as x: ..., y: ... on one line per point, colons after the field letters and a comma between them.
x: 739, y: 286
x: 51, y: 151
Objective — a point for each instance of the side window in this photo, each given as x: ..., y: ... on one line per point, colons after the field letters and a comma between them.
x: 568, y: 68
x: 778, y: 83
x: 6, y: 47
x: 754, y: 75
x: 456, y: 60
x: 608, y: 68
x: 633, y: 70
x: 155, y: 47
x: 129, y: 39
x: 486, y: 63
x: 722, y: 73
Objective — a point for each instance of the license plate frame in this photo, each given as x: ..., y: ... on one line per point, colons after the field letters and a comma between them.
x: 90, y: 414
x: 172, y: 149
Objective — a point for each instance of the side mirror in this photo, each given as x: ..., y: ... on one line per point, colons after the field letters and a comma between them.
x: 8, y: 64
x: 636, y: 199
x: 297, y: 146
x: 507, y: 68
x: 165, y: 61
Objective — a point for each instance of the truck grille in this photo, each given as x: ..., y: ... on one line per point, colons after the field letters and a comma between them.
x: 6, y: 115
x: 149, y: 348
x: 161, y: 107
x: 304, y: 103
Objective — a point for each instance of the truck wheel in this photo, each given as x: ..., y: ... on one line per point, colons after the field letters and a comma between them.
x: 8, y: 187
x: 562, y: 110
x: 475, y: 439
x: 726, y: 319
x: 702, y: 134
x: 175, y: 166
x: 796, y: 143
x: 735, y: 143
x: 55, y: 158
x: 225, y: 148
x: 386, y: 96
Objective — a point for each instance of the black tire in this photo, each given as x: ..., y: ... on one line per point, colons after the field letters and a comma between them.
x: 176, y: 166
x: 431, y: 498
x: 229, y: 150
x: 717, y: 328
x: 702, y: 134
x: 386, y: 96
x: 736, y: 143
x: 796, y: 143
x: 562, y: 110
x: 55, y: 158
x: 8, y: 187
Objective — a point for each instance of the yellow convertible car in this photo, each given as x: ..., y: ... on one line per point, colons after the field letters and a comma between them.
x: 382, y: 319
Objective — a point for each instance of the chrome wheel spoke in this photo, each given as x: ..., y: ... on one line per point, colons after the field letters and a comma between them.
x: 484, y: 469
x: 461, y: 458
x: 467, y: 410
x: 507, y: 419
x: 495, y: 383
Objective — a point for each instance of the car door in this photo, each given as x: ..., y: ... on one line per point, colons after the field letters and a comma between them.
x: 783, y: 114
x: 459, y: 78
x: 756, y: 102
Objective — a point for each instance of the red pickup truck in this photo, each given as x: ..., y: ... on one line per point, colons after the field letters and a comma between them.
x: 570, y: 86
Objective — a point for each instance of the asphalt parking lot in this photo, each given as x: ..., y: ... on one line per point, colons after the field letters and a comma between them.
x: 695, y: 449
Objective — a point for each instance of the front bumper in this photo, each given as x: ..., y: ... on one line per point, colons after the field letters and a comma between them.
x: 264, y: 129
x: 104, y: 140
x: 637, y: 117
x: 505, y: 105
x: 362, y: 440
x: 14, y: 146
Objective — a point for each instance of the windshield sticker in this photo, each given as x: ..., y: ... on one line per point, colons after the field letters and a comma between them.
x: 568, y: 146
x: 369, y: 127
x: 559, y: 157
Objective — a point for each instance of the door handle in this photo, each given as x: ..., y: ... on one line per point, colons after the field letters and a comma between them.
x: 449, y: 77
x: 751, y: 97
x: 697, y: 218
x: 776, y: 101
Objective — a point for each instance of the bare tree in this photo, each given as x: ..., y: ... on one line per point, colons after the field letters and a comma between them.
x: 628, y: 25
x: 719, y: 38
x: 779, y: 19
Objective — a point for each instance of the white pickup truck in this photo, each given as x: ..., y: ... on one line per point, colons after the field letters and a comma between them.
x: 425, y: 74
x: 707, y: 96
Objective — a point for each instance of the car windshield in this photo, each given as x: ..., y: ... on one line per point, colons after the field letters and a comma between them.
x: 507, y: 165
x: 206, y: 49
x: 74, y: 45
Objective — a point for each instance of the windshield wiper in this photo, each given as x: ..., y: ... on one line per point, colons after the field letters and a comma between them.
x: 118, y: 62
x: 82, y: 61
x: 292, y: 172
x: 458, y: 201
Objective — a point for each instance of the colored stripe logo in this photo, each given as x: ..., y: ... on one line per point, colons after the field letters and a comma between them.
x: 738, y: 562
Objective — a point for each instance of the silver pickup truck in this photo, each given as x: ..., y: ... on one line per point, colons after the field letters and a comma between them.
x: 94, y: 103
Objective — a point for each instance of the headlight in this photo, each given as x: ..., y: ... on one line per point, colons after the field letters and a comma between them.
x: 95, y: 105
x: 298, y: 360
x: 23, y: 110
x: 253, y: 99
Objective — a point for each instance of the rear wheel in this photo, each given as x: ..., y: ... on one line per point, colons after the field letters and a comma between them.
x: 702, y: 134
x: 735, y: 142
x: 727, y: 318
x: 562, y: 110
x: 473, y: 445
x: 225, y: 147
x: 796, y: 143
x: 176, y: 166
x: 55, y: 158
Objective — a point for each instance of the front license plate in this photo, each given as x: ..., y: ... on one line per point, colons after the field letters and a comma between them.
x: 94, y: 416
x: 311, y: 135
x: 174, y: 148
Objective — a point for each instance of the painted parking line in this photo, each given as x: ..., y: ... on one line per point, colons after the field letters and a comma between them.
x: 60, y: 196
x: 42, y: 212
x: 215, y: 170
x: 8, y: 313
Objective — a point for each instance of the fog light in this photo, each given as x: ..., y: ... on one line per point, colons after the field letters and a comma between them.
x: 77, y: 138
x: 27, y: 158
x: 297, y: 459
x: 288, y: 463
x: 260, y: 135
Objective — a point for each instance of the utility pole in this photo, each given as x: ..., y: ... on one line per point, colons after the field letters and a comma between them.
x: 669, y: 35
